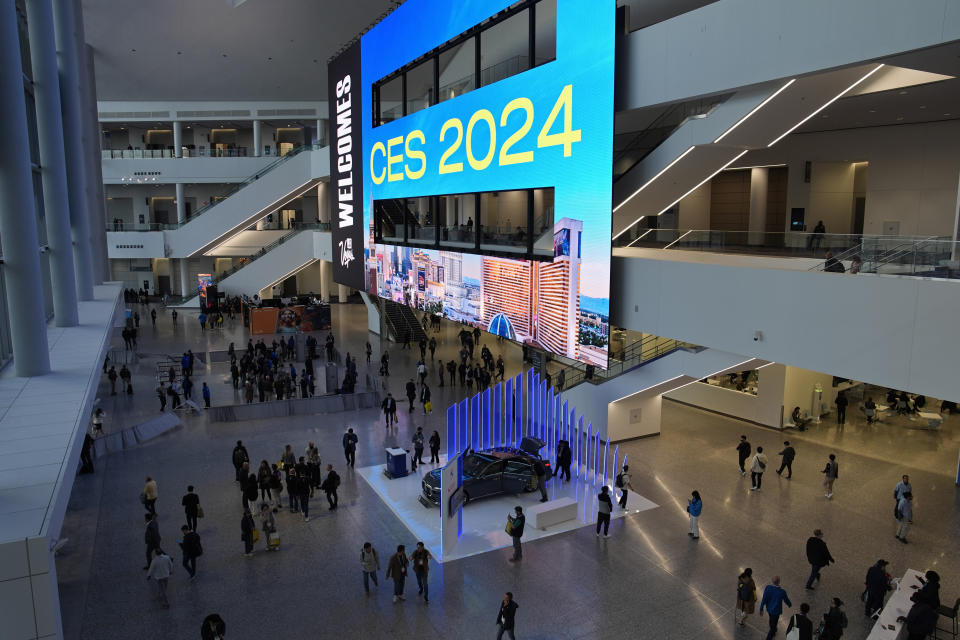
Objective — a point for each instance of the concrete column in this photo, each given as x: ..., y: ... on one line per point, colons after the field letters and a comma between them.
x: 184, y: 281
x: 18, y: 229
x: 177, y: 139
x: 70, y: 101
x: 257, y: 145
x: 46, y: 92
x: 326, y: 280
x: 323, y: 202
x: 98, y: 235
x: 181, y: 204
x: 343, y: 292
x: 759, y: 186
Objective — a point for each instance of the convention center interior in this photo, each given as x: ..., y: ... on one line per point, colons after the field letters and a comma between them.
x: 526, y: 309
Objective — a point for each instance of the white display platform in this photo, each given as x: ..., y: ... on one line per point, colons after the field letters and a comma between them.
x: 484, y: 520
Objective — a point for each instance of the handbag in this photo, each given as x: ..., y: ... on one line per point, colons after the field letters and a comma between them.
x: 256, y: 536
x: 199, y: 511
x: 509, y: 527
x: 794, y: 633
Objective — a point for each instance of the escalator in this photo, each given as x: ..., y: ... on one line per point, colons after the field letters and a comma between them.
x: 403, y: 322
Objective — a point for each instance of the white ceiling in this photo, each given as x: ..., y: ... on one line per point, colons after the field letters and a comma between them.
x: 258, y: 50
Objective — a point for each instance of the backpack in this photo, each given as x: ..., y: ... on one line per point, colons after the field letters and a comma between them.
x: 619, y: 481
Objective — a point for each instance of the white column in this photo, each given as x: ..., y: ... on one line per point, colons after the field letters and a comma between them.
x: 181, y: 204
x: 18, y: 227
x: 53, y: 170
x: 323, y: 202
x: 184, y: 280
x: 257, y: 146
x: 343, y: 292
x: 177, y: 139
x: 321, y: 138
x: 326, y: 280
x: 759, y: 183
x: 70, y: 98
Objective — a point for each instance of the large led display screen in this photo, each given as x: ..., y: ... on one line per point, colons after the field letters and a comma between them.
x: 487, y: 135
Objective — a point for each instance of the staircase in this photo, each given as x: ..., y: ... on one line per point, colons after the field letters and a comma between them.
x: 403, y: 322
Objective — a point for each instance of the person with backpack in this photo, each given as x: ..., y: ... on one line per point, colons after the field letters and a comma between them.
x: 830, y: 474
x: 757, y: 467
x: 161, y: 567
x: 834, y: 622
x: 623, y: 483
x: 329, y: 486
x: 370, y: 563
x: 516, y: 523
x: 421, y: 569
x: 604, y: 509
x: 694, y: 507
x: 192, y: 549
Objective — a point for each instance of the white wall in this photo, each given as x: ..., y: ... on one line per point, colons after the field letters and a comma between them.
x: 888, y: 330
x: 634, y: 417
x: 798, y: 391
x: 693, y: 212
x: 763, y: 408
x: 911, y: 176
x: 735, y: 37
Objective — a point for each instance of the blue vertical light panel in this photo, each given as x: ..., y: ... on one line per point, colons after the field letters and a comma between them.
x: 596, y: 455
x: 606, y: 460
x: 530, y: 404
x: 579, y: 436
x: 485, y: 416
x: 508, y: 413
x: 463, y: 434
x: 475, y: 422
x: 589, y: 449
x: 498, y: 415
x: 616, y: 456
x: 451, y: 431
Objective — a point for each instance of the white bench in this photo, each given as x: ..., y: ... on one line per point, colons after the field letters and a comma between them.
x: 546, y: 514
x: 933, y: 420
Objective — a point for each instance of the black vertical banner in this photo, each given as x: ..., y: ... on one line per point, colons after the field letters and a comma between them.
x: 346, y: 167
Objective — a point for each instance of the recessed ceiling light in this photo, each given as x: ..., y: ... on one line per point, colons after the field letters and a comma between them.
x: 903, y: 93
x: 824, y: 117
x: 899, y: 118
x: 923, y: 106
x: 947, y: 114
x: 873, y: 110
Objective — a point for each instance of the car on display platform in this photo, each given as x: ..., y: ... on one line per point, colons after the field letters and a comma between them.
x: 493, y: 471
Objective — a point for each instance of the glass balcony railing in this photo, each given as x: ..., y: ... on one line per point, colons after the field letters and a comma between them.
x: 202, y: 152
x: 929, y: 256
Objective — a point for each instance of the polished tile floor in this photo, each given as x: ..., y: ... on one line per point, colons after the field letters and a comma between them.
x: 648, y: 580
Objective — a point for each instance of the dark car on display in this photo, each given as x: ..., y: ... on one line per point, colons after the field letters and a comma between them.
x: 493, y: 471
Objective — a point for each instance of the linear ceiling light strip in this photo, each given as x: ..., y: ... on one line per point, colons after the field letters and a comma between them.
x: 754, y: 110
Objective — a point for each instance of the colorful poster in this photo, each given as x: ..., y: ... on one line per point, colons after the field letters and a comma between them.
x: 316, y: 318
x: 264, y: 320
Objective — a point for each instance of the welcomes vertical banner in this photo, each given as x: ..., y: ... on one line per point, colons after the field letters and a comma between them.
x: 346, y: 167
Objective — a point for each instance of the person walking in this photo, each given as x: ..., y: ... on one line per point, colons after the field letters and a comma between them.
x: 350, y: 447
x: 162, y: 396
x: 743, y: 452
x: 329, y: 486
x: 389, y: 406
x: 153, y: 317
x: 818, y: 555
x: 694, y: 507
x: 161, y: 567
x: 904, y: 516
x: 899, y: 489
x: 411, y: 389
x: 604, y: 509
x: 247, y: 530
x: 268, y: 524
x: 150, y: 495
x: 830, y: 473
x: 293, y: 489
x: 425, y: 398
x: 303, y: 486
x: 250, y: 491
x: 802, y: 623
x: 420, y: 558
x: 370, y: 563
x: 397, y: 570
x: 746, y: 596
x: 313, y: 464
x: 774, y: 596
x: 787, y: 456
x: 191, y: 507
x: 435, y: 447
x: 192, y: 549
x: 151, y: 537
x: 564, y: 458
x: 517, y: 523
x: 841, y: 402
x: 240, y: 456
x: 418, y: 446
x: 506, y: 617
x: 541, y: 470
x: 112, y: 377
x: 834, y: 621
x: 205, y: 391
x: 757, y: 466
x: 97, y: 421
x: 876, y: 584
x: 622, y: 481
x: 213, y: 627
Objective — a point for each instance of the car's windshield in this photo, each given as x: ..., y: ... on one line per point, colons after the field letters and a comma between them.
x: 473, y: 464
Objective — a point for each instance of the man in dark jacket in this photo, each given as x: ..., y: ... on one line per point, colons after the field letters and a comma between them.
x: 507, y: 616
x: 564, y: 458
x: 921, y: 621
x: 411, y: 393
x: 239, y: 457
x: 516, y: 532
x: 877, y: 584
x: 817, y: 555
x: 788, y: 453
x: 192, y: 549
x: 329, y: 486
x: 541, y: 472
x: 743, y: 452
x: 151, y: 536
